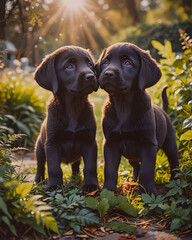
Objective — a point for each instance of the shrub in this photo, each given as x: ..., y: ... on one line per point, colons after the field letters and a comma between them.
x: 177, y: 72
x: 145, y: 33
x: 69, y: 209
x: 22, y: 105
x: 176, y: 69
x: 18, y: 209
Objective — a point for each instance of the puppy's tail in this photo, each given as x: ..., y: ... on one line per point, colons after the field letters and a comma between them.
x: 164, y: 99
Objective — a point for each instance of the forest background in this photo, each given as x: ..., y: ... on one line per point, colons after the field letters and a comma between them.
x: 38, y: 27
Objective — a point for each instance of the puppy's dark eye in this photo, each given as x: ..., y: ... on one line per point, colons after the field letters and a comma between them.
x: 69, y: 66
x: 106, y: 62
x: 90, y: 64
x: 127, y: 62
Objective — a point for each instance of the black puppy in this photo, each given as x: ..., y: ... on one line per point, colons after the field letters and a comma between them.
x: 132, y: 126
x: 68, y: 131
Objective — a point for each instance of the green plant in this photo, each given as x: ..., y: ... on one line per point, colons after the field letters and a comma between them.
x: 121, y: 227
x: 177, y: 73
x: 7, y: 171
x: 143, y: 34
x: 176, y: 205
x: 69, y: 209
x: 22, y: 105
x: 108, y: 203
x: 18, y: 209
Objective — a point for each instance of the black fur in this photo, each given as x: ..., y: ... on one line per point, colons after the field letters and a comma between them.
x: 68, y: 131
x: 132, y: 125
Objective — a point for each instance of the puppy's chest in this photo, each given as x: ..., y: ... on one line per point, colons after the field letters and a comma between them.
x: 71, y: 143
x: 127, y: 142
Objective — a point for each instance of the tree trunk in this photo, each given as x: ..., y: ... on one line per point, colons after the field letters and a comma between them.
x: 131, y: 6
x: 2, y: 19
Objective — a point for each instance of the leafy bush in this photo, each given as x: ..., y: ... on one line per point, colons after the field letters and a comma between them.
x: 177, y: 70
x: 22, y: 105
x: 69, y: 209
x: 143, y: 34
x: 18, y: 208
x: 176, y: 205
x: 109, y: 202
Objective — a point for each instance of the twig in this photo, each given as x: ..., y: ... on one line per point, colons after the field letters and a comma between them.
x: 89, y: 234
x: 29, y: 229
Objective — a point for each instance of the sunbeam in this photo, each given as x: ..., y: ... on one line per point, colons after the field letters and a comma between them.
x: 73, y: 5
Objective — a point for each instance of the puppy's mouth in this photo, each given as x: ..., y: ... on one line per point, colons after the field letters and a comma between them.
x: 84, y: 91
x: 113, y: 89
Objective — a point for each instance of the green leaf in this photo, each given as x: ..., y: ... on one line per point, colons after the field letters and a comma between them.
x: 175, y: 224
x: 127, y: 208
x: 24, y: 188
x: 51, y: 223
x: 102, y: 207
x: 186, y: 136
x: 109, y: 195
x: 121, y: 227
x: 168, y: 47
x: 146, y: 198
x: 172, y: 192
x: 159, y: 199
x: 158, y: 46
x: 171, y: 184
x: 38, y: 227
x: 178, y: 64
x: 75, y: 227
x: 3, y: 207
x: 105, y: 193
x: 85, y: 217
x: 121, y: 199
x: 91, y: 202
x: 23, y: 128
x: 6, y: 220
x: 187, y: 123
x: 35, y: 198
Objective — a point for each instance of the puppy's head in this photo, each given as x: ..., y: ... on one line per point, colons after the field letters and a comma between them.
x: 124, y: 66
x: 69, y: 68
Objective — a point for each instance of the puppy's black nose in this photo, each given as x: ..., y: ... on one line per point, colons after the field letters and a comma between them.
x: 109, y: 73
x: 89, y: 76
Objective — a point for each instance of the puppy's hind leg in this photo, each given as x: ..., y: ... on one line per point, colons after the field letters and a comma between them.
x: 40, y: 157
x: 170, y: 148
x: 136, y: 167
x: 75, y: 167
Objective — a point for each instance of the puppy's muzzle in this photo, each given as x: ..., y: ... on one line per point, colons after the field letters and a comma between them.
x: 89, y: 80
x: 108, y: 79
x: 89, y: 77
x: 109, y: 74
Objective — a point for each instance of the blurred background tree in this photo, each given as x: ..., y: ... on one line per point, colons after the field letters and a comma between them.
x: 38, y: 27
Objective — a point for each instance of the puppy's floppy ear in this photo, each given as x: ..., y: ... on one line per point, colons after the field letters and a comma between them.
x: 98, y: 63
x: 45, y: 74
x: 149, y: 71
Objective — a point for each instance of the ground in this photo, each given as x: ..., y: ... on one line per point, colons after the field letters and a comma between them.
x: 151, y: 230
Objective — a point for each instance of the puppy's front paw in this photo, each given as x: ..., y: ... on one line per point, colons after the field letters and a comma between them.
x: 90, y: 188
x: 39, y: 178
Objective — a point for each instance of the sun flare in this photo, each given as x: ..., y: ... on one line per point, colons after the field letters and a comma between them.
x: 74, y: 5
